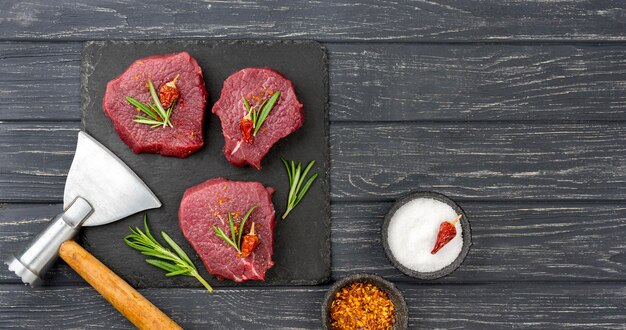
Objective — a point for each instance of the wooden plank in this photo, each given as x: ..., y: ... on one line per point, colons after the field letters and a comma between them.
x: 438, y: 20
x: 38, y: 155
x: 396, y: 82
x: 40, y: 81
x: 477, y: 82
x: 468, y: 161
x: 496, y: 306
x: 479, y: 161
x: 525, y: 242
x: 512, y: 241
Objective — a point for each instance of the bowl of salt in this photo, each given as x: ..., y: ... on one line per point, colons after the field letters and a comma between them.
x: 426, y: 235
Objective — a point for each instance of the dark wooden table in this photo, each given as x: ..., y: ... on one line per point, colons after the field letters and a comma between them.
x: 514, y: 109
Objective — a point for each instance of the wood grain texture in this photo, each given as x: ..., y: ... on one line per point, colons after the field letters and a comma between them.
x: 513, y: 108
x: 477, y: 82
x: 39, y: 81
x: 449, y: 20
x: 479, y: 161
x: 512, y: 241
x: 50, y: 158
x: 397, y: 82
x: 540, y: 306
x: 472, y: 161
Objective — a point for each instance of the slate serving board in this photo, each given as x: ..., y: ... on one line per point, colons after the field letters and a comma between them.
x: 302, y: 241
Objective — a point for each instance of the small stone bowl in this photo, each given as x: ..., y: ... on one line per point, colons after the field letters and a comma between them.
x: 467, y: 236
x: 401, y: 312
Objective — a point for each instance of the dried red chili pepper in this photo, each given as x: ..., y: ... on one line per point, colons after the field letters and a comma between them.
x: 250, y: 242
x: 168, y: 93
x: 247, y: 127
x: 447, y: 231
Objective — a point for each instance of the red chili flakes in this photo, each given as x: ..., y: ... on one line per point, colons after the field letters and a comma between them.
x: 361, y: 306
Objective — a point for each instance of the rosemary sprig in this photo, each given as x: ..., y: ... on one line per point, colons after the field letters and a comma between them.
x: 259, y: 114
x: 296, y: 178
x: 157, y: 115
x: 235, y: 239
x: 174, y: 263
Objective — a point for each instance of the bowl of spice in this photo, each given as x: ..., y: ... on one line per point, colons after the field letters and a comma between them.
x: 426, y: 235
x: 364, y: 302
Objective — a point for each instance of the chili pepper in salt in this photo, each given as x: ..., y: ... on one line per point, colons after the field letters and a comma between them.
x: 247, y: 127
x: 447, y: 231
x: 169, y: 93
x: 250, y: 242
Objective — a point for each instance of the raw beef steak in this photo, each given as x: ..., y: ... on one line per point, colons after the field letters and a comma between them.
x: 185, y: 137
x: 208, y: 204
x: 256, y: 85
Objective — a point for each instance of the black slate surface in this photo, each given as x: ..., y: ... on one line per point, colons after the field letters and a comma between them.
x: 302, y: 247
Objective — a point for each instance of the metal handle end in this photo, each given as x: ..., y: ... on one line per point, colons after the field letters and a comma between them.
x: 32, y: 263
x: 27, y: 275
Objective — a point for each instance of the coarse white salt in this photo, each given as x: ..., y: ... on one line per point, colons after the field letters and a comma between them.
x: 412, y: 233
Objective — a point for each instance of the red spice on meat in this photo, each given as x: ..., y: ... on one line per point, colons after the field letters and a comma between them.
x: 247, y: 128
x: 169, y: 93
x: 250, y: 242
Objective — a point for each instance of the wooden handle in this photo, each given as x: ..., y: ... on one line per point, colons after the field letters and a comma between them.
x: 137, y: 309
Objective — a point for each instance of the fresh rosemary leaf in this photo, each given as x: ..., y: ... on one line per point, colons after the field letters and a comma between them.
x: 157, y: 102
x: 220, y: 233
x: 169, y: 114
x: 259, y: 115
x: 288, y: 170
x: 294, y: 182
x: 232, y: 228
x: 145, y: 109
x: 157, y: 115
x: 178, y: 272
x: 176, y: 248
x: 175, y: 262
x: 245, y: 102
x: 163, y: 265
x: 267, y: 107
x: 243, y: 223
x: 306, y: 171
x: 296, y: 178
x: 144, y: 120
x: 154, y: 109
x: 235, y: 239
x: 157, y: 255
x: 306, y: 187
